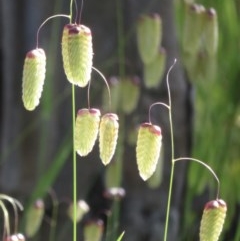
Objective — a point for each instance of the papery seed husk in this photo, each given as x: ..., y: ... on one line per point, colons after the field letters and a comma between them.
x: 34, y: 218
x: 33, y: 78
x: 86, y: 130
x: 93, y: 231
x: 149, y: 35
x: 193, y: 28
x: 81, y: 209
x: 130, y: 93
x: 108, y: 135
x: 148, y: 148
x: 80, y: 54
x: 212, y: 220
x: 154, y: 70
x: 210, y: 31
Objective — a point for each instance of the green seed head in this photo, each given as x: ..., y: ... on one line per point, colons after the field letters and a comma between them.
x: 33, y: 78
x: 77, y: 54
x: 193, y: 28
x: 148, y: 148
x: 108, y: 135
x: 130, y: 92
x: 82, y: 208
x: 34, y: 218
x: 149, y: 36
x: 154, y: 70
x: 210, y: 31
x: 212, y: 220
x: 86, y: 130
x: 93, y: 231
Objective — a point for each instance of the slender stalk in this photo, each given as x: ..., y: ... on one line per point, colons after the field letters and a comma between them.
x: 205, y: 165
x: 74, y: 170
x: 172, y: 154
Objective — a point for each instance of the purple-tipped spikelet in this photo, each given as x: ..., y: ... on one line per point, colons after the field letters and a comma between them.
x: 130, y: 92
x: 82, y: 208
x: 153, y: 71
x: 86, y: 130
x: 108, y: 135
x: 148, y: 148
x: 210, y: 31
x: 77, y: 53
x: 149, y: 35
x: 34, y: 218
x: 212, y: 220
x: 33, y: 78
x: 93, y: 230
x: 193, y: 28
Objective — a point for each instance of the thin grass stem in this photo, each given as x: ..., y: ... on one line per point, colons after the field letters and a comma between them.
x: 172, y: 153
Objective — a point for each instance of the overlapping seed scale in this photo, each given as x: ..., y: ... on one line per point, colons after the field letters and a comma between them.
x: 33, y: 78
x: 149, y: 35
x: 148, y: 148
x: 108, y: 135
x: 80, y: 55
x: 86, y: 130
x: 212, y: 220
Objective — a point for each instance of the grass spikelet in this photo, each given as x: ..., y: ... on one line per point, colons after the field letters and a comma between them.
x: 82, y: 208
x: 33, y: 78
x: 34, y: 218
x: 86, y: 130
x: 193, y: 28
x: 153, y: 71
x: 149, y: 35
x: 212, y: 220
x: 108, y: 135
x: 210, y: 31
x: 130, y: 93
x: 148, y: 148
x: 77, y: 54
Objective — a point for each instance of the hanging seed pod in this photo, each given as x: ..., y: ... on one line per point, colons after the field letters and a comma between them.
x: 93, y: 231
x: 130, y: 92
x: 115, y: 86
x: 86, y: 130
x: 33, y: 78
x: 212, y: 220
x: 77, y: 54
x: 34, y: 218
x: 153, y: 71
x: 149, y: 36
x: 148, y: 148
x: 210, y: 31
x: 193, y: 28
x: 108, y: 134
x: 82, y: 209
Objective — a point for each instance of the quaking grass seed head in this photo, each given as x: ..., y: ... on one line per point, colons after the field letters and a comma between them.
x: 149, y: 35
x: 77, y: 54
x: 86, y: 130
x: 213, y: 218
x: 34, y: 218
x: 148, y: 148
x: 33, y: 78
x: 108, y: 135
